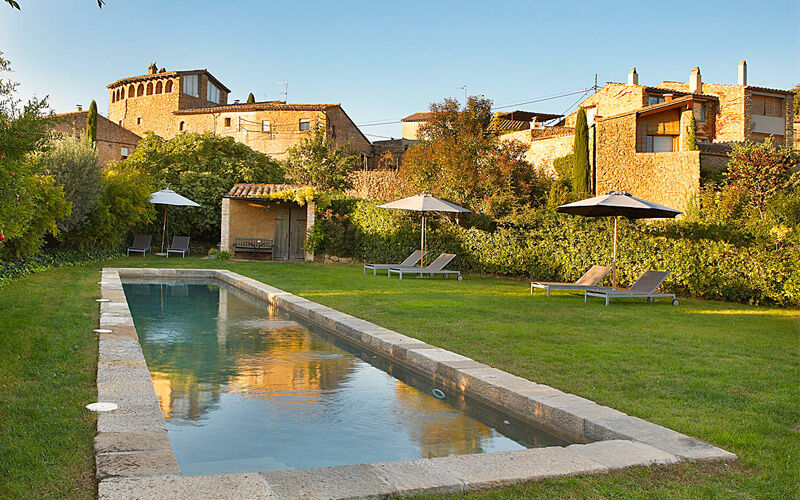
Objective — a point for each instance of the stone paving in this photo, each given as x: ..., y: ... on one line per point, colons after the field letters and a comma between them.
x: 134, y: 458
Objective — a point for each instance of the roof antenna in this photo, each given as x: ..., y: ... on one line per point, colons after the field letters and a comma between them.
x: 285, y: 84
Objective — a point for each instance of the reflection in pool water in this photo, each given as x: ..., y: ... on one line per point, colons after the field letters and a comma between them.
x: 245, y: 387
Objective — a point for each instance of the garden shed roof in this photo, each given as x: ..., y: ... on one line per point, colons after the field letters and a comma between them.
x: 250, y: 191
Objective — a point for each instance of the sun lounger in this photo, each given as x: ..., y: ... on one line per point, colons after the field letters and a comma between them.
x: 180, y: 244
x: 588, y: 281
x: 141, y: 243
x: 435, y: 267
x: 645, y: 287
x: 409, y: 262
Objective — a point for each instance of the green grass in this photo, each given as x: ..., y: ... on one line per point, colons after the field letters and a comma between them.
x: 724, y: 373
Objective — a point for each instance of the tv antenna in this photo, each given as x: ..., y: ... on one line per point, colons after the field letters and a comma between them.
x: 464, y: 88
x: 285, y: 84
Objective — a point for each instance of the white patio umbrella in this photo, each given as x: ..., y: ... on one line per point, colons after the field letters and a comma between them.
x: 169, y: 197
x: 616, y: 204
x: 424, y: 203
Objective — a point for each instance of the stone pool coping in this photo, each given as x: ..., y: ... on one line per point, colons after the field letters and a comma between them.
x: 134, y: 458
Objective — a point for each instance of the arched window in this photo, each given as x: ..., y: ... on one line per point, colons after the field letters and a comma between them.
x: 181, y: 125
x: 113, y: 96
x: 140, y: 90
x: 131, y: 91
x: 168, y: 87
x: 159, y: 88
x: 150, y: 88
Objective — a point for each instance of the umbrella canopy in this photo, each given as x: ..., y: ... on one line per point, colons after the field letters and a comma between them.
x: 424, y: 203
x: 618, y: 204
x: 169, y: 197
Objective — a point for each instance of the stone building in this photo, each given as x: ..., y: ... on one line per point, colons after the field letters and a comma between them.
x: 170, y: 102
x: 638, y: 133
x: 114, y: 143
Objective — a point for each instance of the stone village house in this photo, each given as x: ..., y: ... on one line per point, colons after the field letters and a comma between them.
x: 638, y: 133
x: 114, y: 142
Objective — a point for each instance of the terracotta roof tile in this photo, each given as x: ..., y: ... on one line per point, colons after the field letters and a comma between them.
x: 248, y: 191
x: 422, y: 116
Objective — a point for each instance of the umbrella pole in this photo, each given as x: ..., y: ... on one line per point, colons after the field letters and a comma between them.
x: 164, y: 229
x: 614, y: 267
x: 422, y: 242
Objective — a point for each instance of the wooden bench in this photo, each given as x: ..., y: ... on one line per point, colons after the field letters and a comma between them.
x: 253, y: 245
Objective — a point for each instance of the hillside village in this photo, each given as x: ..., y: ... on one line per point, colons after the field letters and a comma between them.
x: 637, y: 132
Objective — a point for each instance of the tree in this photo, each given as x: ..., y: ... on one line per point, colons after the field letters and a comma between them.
x: 317, y: 162
x: 30, y: 203
x: 203, y: 168
x: 458, y: 159
x: 796, y: 91
x: 74, y: 165
x: 91, y: 123
x: 580, y: 155
x: 761, y: 170
x: 691, y: 134
x: 251, y: 98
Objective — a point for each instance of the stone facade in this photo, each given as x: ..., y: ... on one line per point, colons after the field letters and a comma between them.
x: 114, y: 143
x: 168, y: 103
x: 381, y: 184
x: 543, y: 149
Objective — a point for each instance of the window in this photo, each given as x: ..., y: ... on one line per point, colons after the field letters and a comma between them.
x: 131, y: 91
x: 701, y: 112
x: 227, y: 122
x: 305, y: 124
x: 265, y: 126
x: 140, y: 90
x: 213, y: 93
x: 181, y: 125
x: 159, y: 87
x: 655, y: 99
x: 150, y: 88
x: 123, y: 152
x: 138, y: 120
x: 120, y: 123
x: 168, y: 87
x: 660, y: 143
x: 190, y: 85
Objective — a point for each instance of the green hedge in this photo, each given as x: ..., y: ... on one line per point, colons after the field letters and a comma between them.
x: 50, y: 258
x: 560, y: 248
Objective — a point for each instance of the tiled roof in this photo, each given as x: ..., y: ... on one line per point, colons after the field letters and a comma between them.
x: 248, y: 191
x: 257, y: 106
x: 767, y: 89
x: 156, y: 76
x: 418, y: 117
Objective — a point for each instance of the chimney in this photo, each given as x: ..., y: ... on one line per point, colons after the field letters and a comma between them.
x: 633, y: 77
x: 152, y: 69
x: 696, y: 81
x: 236, y: 101
x: 743, y: 73
x: 79, y: 107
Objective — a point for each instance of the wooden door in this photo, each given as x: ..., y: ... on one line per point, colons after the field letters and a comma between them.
x: 297, y: 233
x: 280, y: 250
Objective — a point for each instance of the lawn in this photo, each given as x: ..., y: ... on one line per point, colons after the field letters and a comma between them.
x: 724, y: 373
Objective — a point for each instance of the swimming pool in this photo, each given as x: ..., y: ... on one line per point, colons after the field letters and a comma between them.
x: 246, y: 387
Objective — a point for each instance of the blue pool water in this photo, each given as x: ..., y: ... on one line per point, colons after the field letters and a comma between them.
x: 245, y: 388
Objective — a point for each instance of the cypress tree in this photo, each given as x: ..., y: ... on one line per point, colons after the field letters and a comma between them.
x: 91, y: 123
x: 580, y: 154
x: 251, y: 98
x: 691, y: 135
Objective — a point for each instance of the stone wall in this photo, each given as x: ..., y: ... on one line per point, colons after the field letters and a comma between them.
x: 383, y: 185
x: 249, y: 220
x: 666, y: 178
x: 543, y: 150
x: 612, y: 99
x: 111, y: 138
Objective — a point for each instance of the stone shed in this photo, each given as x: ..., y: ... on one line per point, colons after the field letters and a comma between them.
x: 253, y: 215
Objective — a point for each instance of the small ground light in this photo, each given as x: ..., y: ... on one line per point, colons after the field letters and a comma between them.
x: 101, y: 330
x: 99, y: 406
x: 103, y: 300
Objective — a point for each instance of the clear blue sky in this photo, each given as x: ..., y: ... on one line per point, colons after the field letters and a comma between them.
x: 385, y: 60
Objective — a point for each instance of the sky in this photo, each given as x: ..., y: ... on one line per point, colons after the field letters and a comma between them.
x: 385, y: 60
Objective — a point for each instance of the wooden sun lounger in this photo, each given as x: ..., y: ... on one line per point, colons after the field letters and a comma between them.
x: 435, y: 267
x: 645, y: 287
x: 589, y: 281
x: 409, y: 262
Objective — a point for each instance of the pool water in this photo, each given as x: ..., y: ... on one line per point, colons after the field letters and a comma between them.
x: 245, y: 387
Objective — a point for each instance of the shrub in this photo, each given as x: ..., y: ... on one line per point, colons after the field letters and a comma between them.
x: 316, y: 162
x: 563, y: 167
x: 73, y: 164
x: 761, y: 170
x: 91, y: 123
x: 224, y: 255
x: 50, y: 258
